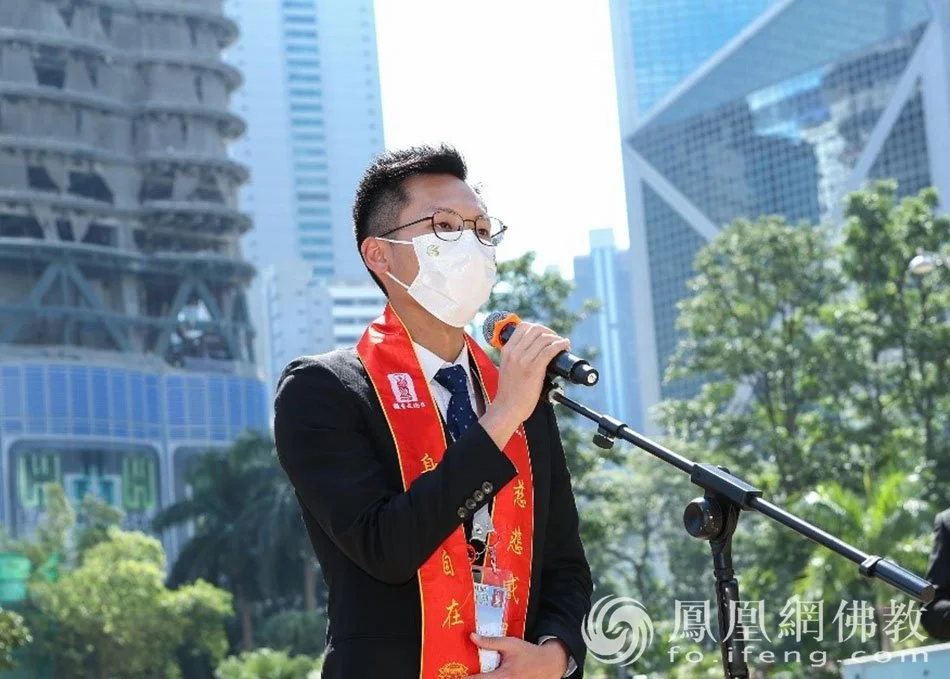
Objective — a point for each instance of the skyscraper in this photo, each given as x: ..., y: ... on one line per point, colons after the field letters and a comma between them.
x: 807, y: 101
x: 125, y: 342
x: 312, y: 101
x: 604, y: 276
x: 673, y: 38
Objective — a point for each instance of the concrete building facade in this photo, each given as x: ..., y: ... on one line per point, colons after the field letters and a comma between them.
x: 125, y: 338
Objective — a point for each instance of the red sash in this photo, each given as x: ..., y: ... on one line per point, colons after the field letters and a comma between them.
x: 445, y: 579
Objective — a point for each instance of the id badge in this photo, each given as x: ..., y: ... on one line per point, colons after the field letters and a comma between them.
x: 491, y: 605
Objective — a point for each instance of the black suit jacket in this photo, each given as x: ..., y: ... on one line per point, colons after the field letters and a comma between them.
x: 371, y: 537
x: 936, y: 616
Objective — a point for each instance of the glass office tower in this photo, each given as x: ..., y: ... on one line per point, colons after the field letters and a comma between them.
x: 604, y: 276
x: 311, y: 96
x: 672, y: 38
x: 806, y: 102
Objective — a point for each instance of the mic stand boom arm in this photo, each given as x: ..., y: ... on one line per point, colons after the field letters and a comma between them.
x: 714, y: 517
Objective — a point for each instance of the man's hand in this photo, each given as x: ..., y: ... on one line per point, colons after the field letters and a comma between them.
x: 524, y: 361
x: 523, y: 660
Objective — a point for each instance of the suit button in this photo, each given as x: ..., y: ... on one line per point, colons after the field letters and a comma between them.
x: 471, y: 504
x: 463, y: 513
x: 488, y: 487
x: 478, y: 495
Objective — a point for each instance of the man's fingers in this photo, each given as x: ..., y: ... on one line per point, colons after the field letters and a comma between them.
x: 541, y: 344
x: 503, y: 644
x: 521, y: 335
x: 557, y: 347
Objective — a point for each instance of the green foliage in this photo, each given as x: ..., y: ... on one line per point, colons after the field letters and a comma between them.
x: 297, y: 632
x: 14, y: 634
x: 825, y: 367
x: 94, y: 519
x: 112, y: 615
x: 248, y: 534
x: 265, y: 663
x: 53, y: 532
x: 542, y: 298
x: 884, y: 519
x: 538, y: 297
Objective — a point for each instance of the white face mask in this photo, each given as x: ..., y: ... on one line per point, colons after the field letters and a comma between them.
x: 455, y: 277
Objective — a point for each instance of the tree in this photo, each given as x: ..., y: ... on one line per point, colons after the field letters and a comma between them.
x: 819, y: 355
x: 248, y: 532
x: 296, y: 632
x: 894, y: 376
x: 616, y: 544
x: 267, y: 664
x: 752, y: 328
x: 275, y: 523
x: 113, y: 618
x: 14, y: 635
x: 51, y: 543
x: 534, y: 296
x: 221, y: 551
x: 94, y: 520
x: 884, y: 519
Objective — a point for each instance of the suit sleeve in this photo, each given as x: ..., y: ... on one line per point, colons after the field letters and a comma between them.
x: 566, y: 585
x: 339, y: 479
x: 936, y: 616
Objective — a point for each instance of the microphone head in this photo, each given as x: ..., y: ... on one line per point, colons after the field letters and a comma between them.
x: 495, y: 323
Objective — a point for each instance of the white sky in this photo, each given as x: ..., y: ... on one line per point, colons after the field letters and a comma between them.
x: 525, y: 89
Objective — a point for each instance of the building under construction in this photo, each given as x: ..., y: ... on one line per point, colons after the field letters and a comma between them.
x: 125, y: 344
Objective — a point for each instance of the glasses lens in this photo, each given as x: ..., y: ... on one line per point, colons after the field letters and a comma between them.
x: 447, y: 225
x: 489, y: 230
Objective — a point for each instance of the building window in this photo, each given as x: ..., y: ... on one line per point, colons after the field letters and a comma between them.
x: 306, y: 94
x: 304, y: 78
x: 312, y: 196
x: 306, y: 108
x: 311, y: 240
x: 314, y: 226
x: 310, y: 167
x: 300, y: 34
x: 309, y: 153
x: 298, y: 19
x: 306, y: 122
x: 302, y: 182
x: 309, y: 136
x: 314, y: 211
x: 317, y: 256
x: 303, y: 63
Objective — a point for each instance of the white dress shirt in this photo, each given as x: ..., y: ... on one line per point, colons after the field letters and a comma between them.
x: 431, y: 364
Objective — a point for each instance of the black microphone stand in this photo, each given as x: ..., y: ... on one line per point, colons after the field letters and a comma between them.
x: 714, y: 517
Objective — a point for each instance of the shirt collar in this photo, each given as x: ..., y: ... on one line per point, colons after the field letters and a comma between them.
x: 431, y: 364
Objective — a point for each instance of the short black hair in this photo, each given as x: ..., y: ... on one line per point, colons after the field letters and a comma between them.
x: 380, y: 196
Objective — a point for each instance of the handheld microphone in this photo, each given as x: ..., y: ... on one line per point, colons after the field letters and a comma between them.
x: 500, y: 325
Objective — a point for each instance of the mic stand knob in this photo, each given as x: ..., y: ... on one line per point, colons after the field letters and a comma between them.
x: 603, y: 439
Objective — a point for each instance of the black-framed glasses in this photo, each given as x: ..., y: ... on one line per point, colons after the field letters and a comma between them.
x: 449, y: 225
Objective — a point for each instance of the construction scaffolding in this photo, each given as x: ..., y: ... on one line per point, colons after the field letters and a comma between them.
x: 118, y: 222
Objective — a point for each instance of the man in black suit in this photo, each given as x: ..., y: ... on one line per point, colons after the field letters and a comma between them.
x: 378, y: 528
x: 936, y: 615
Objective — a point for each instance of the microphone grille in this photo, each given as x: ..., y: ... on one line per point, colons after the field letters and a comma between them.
x: 488, y: 327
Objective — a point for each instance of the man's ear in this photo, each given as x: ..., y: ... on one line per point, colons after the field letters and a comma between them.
x: 376, y: 257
